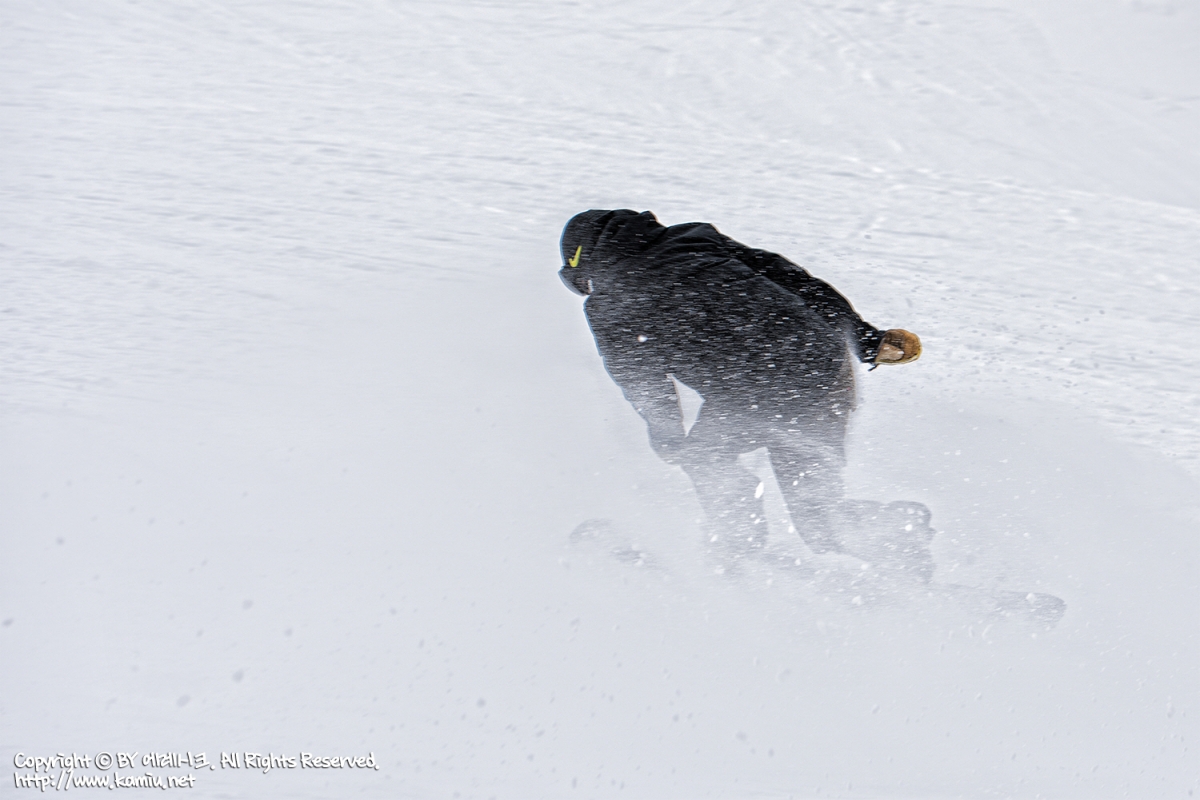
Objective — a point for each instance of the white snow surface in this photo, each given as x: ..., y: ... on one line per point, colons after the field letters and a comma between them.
x: 296, y: 417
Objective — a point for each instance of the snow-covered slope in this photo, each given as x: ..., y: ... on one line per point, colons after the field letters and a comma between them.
x: 296, y: 417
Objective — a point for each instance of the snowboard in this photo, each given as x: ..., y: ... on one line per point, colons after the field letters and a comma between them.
x: 843, y: 579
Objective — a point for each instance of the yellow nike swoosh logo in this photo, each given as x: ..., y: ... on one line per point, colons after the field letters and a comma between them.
x: 574, y: 260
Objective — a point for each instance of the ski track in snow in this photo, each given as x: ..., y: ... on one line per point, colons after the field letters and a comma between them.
x: 297, y: 417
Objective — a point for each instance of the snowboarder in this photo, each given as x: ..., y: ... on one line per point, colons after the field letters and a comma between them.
x: 767, y: 346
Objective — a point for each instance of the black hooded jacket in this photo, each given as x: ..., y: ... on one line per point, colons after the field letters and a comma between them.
x: 747, y: 329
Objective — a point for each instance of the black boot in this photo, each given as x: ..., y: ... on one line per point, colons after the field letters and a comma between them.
x: 893, y: 536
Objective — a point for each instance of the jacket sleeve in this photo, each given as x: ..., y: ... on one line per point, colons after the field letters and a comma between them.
x: 654, y: 399
x: 816, y: 294
x: 642, y: 373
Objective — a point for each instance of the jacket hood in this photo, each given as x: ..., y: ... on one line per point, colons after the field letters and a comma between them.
x: 598, y: 238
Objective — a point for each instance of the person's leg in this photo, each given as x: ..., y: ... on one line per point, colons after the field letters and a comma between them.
x: 809, y: 472
x: 728, y: 492
x: 894, y: 536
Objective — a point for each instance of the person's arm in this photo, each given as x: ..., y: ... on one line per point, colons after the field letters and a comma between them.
x: 641, y: 373
x: 656, y: 403
x: 816, y: 294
